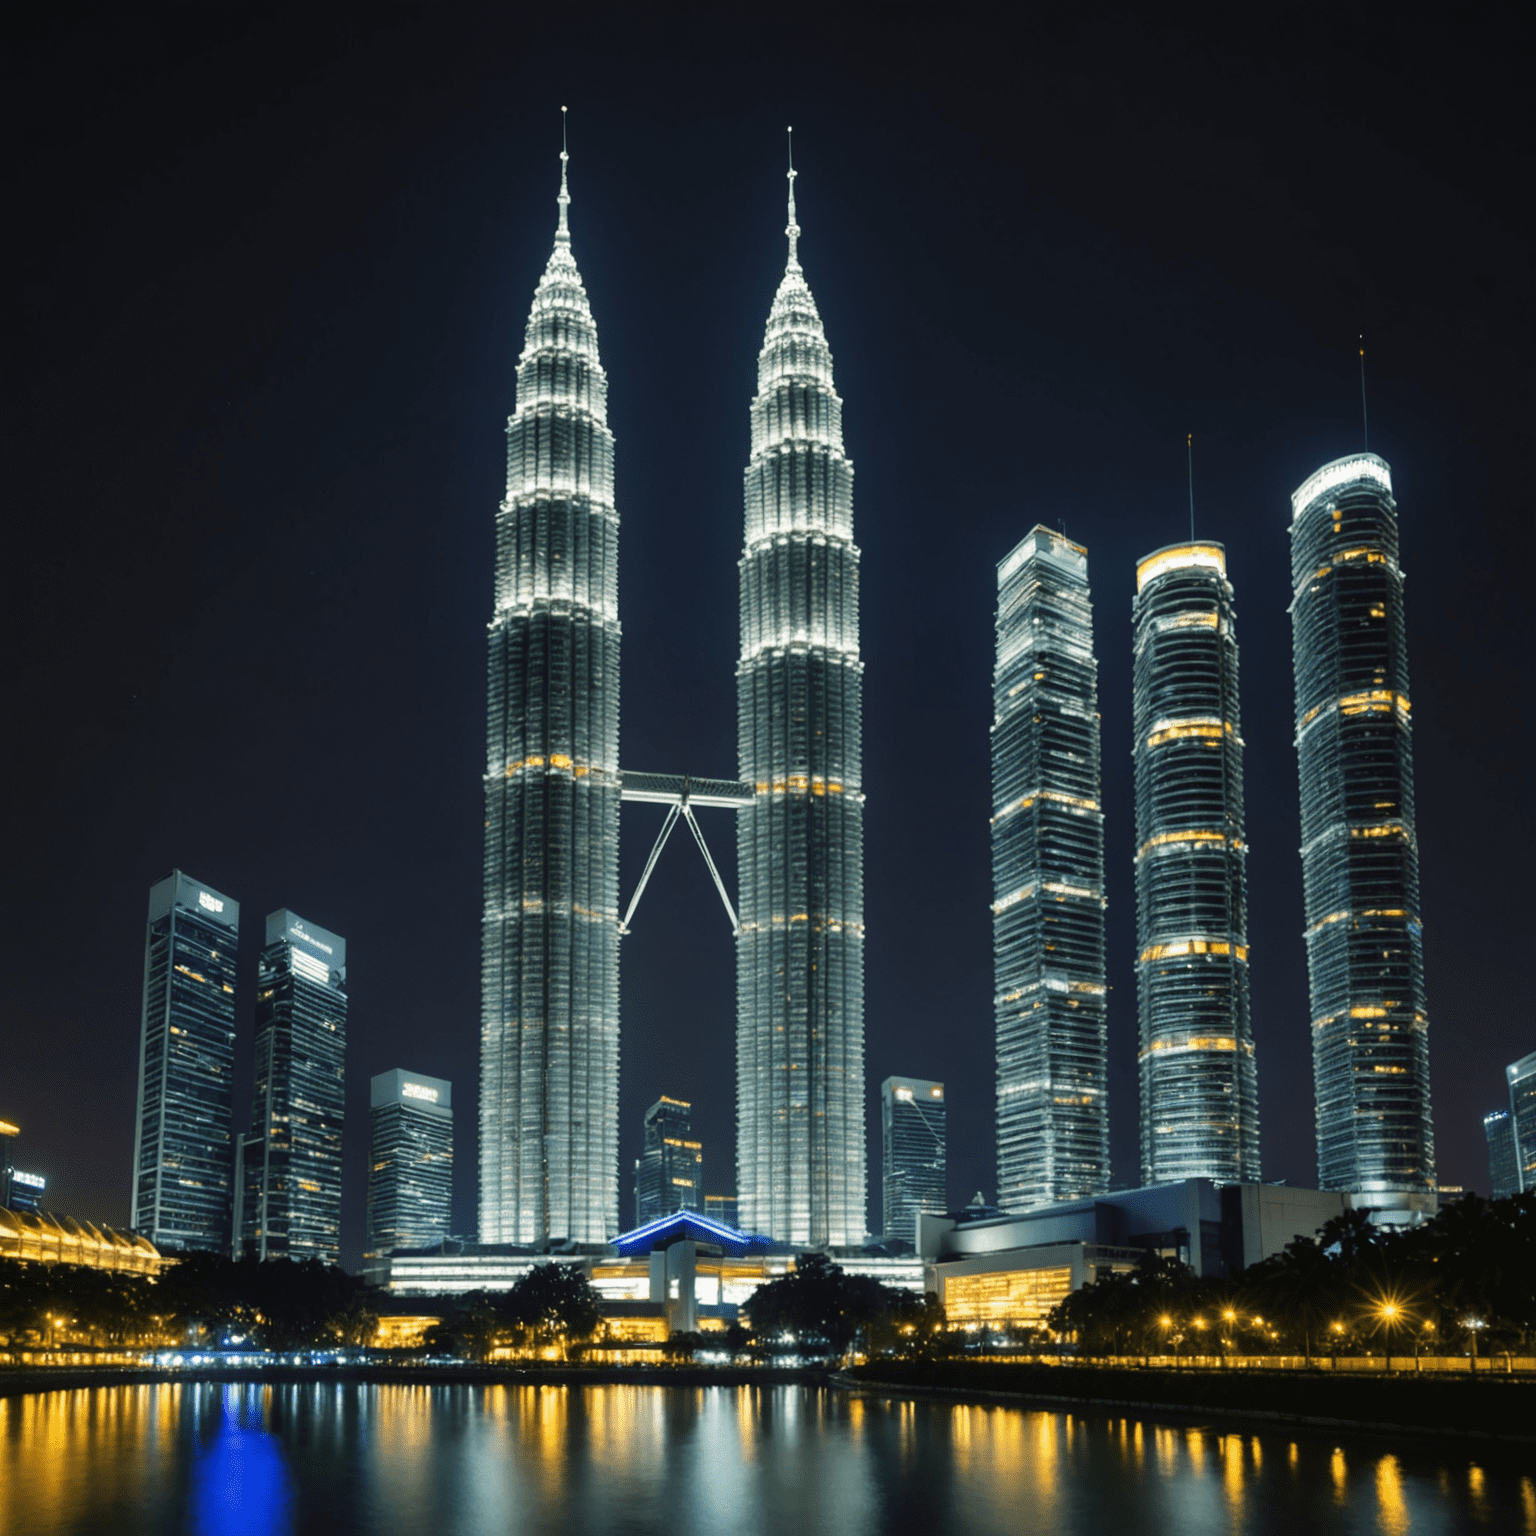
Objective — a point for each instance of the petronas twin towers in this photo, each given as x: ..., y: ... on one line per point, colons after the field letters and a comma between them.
x: 553, y: 786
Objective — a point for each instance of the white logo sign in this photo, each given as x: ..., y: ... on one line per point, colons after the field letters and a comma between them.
x: 298, y: 932
x: 418, y: 1091
x: 209, y: 903
x: 31, y: 1180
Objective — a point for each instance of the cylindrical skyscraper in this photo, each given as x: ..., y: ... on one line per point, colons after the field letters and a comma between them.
x: 549, y: 1042
x: 800, y: 954
x: 1048, y: 881
x: 1199, y: 1093
x: 1360, y: 859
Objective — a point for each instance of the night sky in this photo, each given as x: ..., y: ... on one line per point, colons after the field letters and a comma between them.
x: 266, y: 278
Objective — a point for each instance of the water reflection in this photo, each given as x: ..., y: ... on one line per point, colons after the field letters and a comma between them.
x: 366, y: 1460
x: 239, y: 1478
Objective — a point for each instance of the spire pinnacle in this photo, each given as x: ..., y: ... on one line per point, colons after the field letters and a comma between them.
x: 792, y: 229
x: 565, y: 194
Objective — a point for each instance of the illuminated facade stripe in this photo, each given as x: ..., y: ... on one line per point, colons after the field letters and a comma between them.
x: 1048, y: 881
x: 549, y: 1034
x: 1359, y: 851
x: 801, y: 1172
x: 1199, y: 1090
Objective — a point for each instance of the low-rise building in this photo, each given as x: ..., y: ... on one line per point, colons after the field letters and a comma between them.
x: 44, y: 1237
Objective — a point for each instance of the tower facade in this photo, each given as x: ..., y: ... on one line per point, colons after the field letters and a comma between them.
x: 549, y: 1039
x: 289, y: 1176
x: 1199, y: 1087
x: 669, y: 1173
x: 1359, y: 850
x: 800, y: 843
x: 1048, y: 881
x: 182, y: 1151
x: 1503, y: 1158
x: 1521, y: 1077
x: 410, y: 1167
x: 914, y: 1165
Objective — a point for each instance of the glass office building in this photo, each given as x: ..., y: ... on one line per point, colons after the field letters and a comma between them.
x: 1199, y: 1087
x: 289, y: 1185
x: 1047, y: 881
x: 1359, y: 849
x: 1521, y: 1077
x: 669, y: 1173
x: 182, y: 1152
x: 410, y: 1164
x: 549, y: 1039
x: 722, y: 1208
x: 801, y: 1172
x: 1503, y: 1158
x: 913, y: 1166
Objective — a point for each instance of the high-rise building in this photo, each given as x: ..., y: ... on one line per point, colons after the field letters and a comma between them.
x: 1047, y: 881
x: 722, y: 1208
x: 549, y: 1036
x: 1503, y: 1159
x: 1359, y: 850
x: 410, y: 1167
x: 801, y: 1172
x: 912, y: 1156
x: 182, y: 1162
x: 1199, y: 1087
x: 669, y: 1173
x: 19, y: 1189
x: 1521, y: 1077
x: 289, y: 1184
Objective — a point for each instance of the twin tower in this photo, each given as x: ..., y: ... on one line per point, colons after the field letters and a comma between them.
x: 549, y: 1074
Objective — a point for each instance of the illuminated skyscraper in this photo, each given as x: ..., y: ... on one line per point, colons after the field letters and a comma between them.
x: 1359, y: 851
x: 182, y: 1158
x: 549, y: 1037
x: 1503, y: 1158
x: 914, y: 1164
x: 410, y: 1166
x: 1047, y: 881
x: 1199, y: 1088
x: 1521, y: 1076
x: 289, y: 1175
x: 800, y: 844
x: 669, y: 1173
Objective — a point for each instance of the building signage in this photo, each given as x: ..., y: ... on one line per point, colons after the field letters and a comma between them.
x: 209, y: 903
x: 418, y: 1091
x: 31, y: 1180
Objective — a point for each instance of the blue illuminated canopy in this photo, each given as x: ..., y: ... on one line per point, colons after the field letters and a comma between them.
x: 685, y: 1226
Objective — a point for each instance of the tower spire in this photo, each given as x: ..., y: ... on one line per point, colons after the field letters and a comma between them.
x: 792, y: 229
x: 564, y: 232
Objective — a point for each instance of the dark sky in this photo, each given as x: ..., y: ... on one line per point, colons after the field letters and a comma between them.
x: 266, y: 277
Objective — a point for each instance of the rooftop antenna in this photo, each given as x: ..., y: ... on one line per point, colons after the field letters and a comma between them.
x: 1190, y: 446
x: 565, y: 193
x: 792, y: 229
x: 1365, y: 425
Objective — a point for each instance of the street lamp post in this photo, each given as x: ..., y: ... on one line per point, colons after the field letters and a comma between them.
x: 1474, y: 1323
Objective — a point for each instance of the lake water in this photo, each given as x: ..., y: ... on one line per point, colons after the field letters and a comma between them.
x: 338, y: 1459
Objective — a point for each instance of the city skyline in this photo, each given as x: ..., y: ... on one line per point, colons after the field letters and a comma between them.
x: 370, y: 447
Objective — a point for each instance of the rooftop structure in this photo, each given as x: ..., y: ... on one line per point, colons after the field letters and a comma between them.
x: 1048, y: 880
x: 800, y: 843
x: 1359, y: 849
x: 182, y: 1141
x: 44, y: 1237
x: 549, y: 1041
x: 1199, y: 1087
